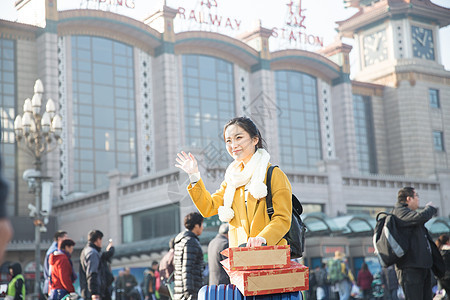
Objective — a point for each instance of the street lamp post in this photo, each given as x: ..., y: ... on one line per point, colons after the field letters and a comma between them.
x: 40, y: 133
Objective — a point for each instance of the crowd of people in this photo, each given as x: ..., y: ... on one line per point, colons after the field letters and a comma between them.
x: 180, y: 273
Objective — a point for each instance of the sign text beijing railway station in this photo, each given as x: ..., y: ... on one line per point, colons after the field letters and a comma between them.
x: 293, y: 31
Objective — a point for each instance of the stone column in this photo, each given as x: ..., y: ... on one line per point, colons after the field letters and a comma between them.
x: 262, y: 107
x: 167, y: 112
x: 114, y: 219
x: 336, y: 203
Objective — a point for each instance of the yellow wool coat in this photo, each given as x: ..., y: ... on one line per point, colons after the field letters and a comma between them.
x: 251, y: 220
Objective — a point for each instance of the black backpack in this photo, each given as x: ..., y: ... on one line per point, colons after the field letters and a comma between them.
x: 296, y: 234
x: 390, y: 244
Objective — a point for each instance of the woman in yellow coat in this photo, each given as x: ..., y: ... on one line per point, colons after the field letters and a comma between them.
x: 240, y: 200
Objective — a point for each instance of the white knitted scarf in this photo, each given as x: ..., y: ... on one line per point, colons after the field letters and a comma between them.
x: 253, y: 173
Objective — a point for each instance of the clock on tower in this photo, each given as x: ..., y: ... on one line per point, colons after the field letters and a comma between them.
x: 422, y: 42
x: 375, y: 47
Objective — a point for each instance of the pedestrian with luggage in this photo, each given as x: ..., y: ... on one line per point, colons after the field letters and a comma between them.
x: 414, y: 268
x: 238, y: 199
x: 340, y: 275
x: 322, y: 291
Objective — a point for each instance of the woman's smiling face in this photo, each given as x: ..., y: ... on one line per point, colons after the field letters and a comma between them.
x: 239, y: 143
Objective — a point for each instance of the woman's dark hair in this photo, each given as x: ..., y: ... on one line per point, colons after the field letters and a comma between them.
x: 250, y: 127
x: 364, y: 266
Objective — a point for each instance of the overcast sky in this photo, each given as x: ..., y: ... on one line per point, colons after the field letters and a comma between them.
x: 320, y: 16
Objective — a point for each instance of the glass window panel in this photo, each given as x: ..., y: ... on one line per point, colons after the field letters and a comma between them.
x: 298, y: 123
x: 99, y: 98
x: 103, y: 74
x: 365, y: 145
x: 213, y: 106
x: 433, y: 95
x: 438, y: 139
x: 103, y: 95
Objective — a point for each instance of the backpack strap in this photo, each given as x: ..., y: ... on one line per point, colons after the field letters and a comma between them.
x: 269, y: 204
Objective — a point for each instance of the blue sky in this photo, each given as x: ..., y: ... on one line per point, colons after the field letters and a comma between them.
x: 320, y: 16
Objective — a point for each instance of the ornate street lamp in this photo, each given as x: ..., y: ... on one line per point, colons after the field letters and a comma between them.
x: 40, y: 134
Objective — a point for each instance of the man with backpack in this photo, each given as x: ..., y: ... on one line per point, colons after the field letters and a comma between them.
x: 340, y: 275
x: 414, y: 268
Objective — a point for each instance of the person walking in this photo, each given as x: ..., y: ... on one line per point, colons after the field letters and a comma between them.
x: 340, y: 275
x: 149, y: 288
x: 389, y: 282
x: 238, y: 199
x: 16, y: 287
x: 188, y: 259
x: 322, y: 290
x: 364, y: 281
x: 58, y: 237
x: 62, y: 275
x: 443, y: 244
x: 217, y: 274
x: 129, y: 285
x: 414, y: 268
x: 166, y: 269
x: 106, y: 275
x: 90, y: 282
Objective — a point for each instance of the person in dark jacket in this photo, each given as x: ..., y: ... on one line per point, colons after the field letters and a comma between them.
x: 414, y: 268
x: 16, y: 287
x: 390, y: 283
x: 364, y: 281
x: 106, y: 275
x: 217, y: 274
x: 149, y: 285
x: 188, y: 259
x: 90, y: 282
x: 443, y: 244
x: 62, y: 273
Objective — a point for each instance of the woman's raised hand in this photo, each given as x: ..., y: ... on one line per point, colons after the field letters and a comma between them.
x: 186, y: 162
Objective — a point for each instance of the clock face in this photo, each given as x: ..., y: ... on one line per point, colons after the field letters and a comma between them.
x: 422, y: 42
x: 375, y: 47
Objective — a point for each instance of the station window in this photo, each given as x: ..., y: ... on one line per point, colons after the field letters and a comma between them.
x: 152, y: 223
x: 438, y: 140
x: 433, y: 95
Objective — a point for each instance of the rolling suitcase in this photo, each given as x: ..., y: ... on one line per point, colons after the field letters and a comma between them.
x: 230, y: 292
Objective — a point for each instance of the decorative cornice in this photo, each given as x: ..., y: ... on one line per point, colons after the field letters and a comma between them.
x: 367, y: 89
x: 110, y: 25
x: 307, y: 62
x: 17, y: 31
